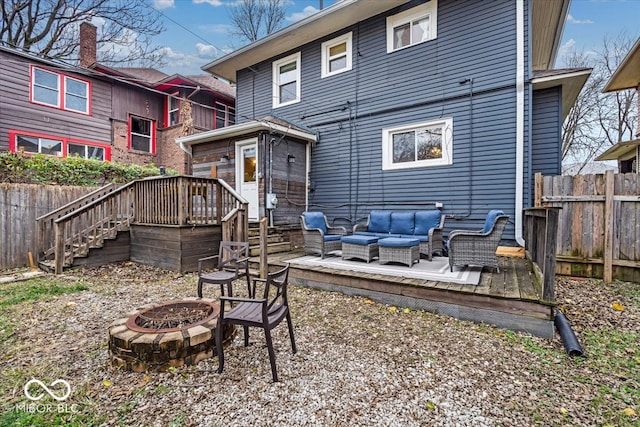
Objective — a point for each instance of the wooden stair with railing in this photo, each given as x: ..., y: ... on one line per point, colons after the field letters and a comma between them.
x: 89, y: 223
x: 276, y: 242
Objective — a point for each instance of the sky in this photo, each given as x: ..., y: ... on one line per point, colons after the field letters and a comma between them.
x: 198, y: 31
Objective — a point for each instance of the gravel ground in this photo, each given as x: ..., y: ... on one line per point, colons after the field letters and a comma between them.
x: 359, y: 363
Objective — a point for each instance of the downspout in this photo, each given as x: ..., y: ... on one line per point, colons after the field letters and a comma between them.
x: 307, y: 172
x: 519, y: 119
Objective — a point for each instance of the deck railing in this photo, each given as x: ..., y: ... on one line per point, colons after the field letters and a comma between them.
x: 540, y: 233
x: 175, y: 200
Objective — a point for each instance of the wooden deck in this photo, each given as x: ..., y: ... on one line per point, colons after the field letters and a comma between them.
x: 508, y: 299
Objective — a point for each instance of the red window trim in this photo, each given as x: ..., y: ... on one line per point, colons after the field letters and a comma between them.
x: 153, y: 134
x: 61, y: 90
x: 13, y: 133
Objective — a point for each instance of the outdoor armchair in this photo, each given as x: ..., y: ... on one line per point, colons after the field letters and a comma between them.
x: 478, y: 247
x: 266, y: 312
x: 319, y: 237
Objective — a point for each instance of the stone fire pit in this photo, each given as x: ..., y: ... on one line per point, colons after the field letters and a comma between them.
x: 159, y: 336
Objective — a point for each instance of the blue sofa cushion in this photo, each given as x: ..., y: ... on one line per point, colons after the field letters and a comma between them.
x: 396, y: 242
x: 379, y: 222
x: 426, y: 220
x: 315, y: 220
x: 357, y: 239
x: 402, y: 223
x: 491, y: 219
x: 379, y: 235
x: 331, y: 237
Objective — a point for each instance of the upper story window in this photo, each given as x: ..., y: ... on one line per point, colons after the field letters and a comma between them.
x: 336, y: 55
x: 60, y: 91
x: 173, y: 110
x: 413, y: 26
x: 142, y: 134
x: 418, y: 145
x: 225, y: 115
x: 32, y: 143
x: 286, y: 81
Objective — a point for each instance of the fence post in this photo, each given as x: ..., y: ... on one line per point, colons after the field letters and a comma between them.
x: 538, y: 189
x: 264, y: 241
x: 550, y: 242
x: 609, y: 215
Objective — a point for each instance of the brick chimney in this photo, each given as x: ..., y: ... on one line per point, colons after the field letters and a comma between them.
x: 88, y: 36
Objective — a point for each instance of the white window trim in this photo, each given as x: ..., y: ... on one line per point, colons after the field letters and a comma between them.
x: 86, y: 97
x: 429, y: 8
x: 447, y: 143
x: 276, y: 79
x: 170, y: 110
x: 326, y: 46
x: 58, y: 88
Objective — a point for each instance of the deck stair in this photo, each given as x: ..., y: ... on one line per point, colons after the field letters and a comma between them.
x: 276, y: 242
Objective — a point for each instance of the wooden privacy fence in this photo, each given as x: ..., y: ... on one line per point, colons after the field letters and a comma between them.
x: 20, y: 206
x: 598, y: 225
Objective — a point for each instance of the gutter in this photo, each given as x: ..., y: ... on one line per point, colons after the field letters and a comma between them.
x: 519, y: 120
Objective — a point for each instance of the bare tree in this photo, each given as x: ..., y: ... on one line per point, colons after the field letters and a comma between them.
x: 598, y: 120
x: 254, y: 19
x: 51, y: 28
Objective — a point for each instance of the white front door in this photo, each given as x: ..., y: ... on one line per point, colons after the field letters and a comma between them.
x: 247, y: 174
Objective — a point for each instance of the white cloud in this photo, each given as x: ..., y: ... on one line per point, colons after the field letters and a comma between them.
x: 163, y: 4
x: 211, y: 2
x: 572, y: 20
x: 206, y: 50
x: 297, y: 16
x: 216, y: 28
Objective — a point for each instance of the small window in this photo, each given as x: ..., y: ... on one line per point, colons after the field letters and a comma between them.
x: 225, y: 115
x: 423, y: 144
x: 286, y: 81
x: 141, y: 134
x: 413, y: 26
x: 336, y: 55
x: 85, y: 151
x: 60, y: 91
x: 36, y: 144
x: 173, y: 110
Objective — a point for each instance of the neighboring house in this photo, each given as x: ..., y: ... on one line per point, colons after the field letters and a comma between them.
x: 626, y: 76
x: 130, y: 116
x: 399, y: 105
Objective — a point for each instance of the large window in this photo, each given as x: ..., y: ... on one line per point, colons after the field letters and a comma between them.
x: 142, y: 134
x: 60, y: 91
x: 413, y: 26
x: 33, y: 143
x: 336, y: 55
x: 225, y: 115
x: 418, y: 145
x: 173, y: 110
x: 286, y: 81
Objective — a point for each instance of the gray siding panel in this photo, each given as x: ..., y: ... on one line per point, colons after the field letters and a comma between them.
x: 546, y: 131
x: 476, y: 40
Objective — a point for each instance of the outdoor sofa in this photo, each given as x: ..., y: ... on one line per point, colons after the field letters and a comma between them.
x: 426, y: 226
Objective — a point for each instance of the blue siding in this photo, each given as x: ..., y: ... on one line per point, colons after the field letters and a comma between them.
x: 546, y: 131
x: 476, y: 40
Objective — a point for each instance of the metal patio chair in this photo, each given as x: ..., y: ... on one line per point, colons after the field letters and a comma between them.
x: 266, y: 313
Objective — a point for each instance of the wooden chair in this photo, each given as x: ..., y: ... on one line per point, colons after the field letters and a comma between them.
x: 231, y: 262
x: 266, y: 313
x: 478, y: 247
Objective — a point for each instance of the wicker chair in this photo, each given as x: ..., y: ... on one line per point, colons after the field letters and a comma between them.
x: 478, y: 247
x: 319, y: 238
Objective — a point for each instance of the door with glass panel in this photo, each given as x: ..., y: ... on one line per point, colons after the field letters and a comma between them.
x: 247, y: 175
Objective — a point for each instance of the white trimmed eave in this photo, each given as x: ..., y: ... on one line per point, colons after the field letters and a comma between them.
x: 571, y: 83
x: 334, y: 18
x: 627, y: 75
x: 547, y: 22
x: 243, y: 129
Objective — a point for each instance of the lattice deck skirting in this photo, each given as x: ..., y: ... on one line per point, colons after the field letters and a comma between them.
x: 363, y: 252
x: 405, y: 255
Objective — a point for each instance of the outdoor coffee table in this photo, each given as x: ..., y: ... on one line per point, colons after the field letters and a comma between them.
x: 360, y: 247
x: 400, y: 250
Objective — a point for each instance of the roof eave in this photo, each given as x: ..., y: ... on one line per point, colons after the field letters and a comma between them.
x: 571, y: 82
x: 620, y: 150
x: 627, y: 75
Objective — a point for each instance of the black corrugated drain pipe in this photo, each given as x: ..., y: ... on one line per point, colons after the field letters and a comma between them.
x: 569, y: 338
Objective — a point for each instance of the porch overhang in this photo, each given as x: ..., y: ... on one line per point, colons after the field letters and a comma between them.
x: 242, y: 129
x: 621, y: 151
x: 627, y: 75
x: 571, y: 80
x: 547, y: 21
